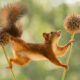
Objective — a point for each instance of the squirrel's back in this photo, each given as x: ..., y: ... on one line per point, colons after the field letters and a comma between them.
x: 9, y: 19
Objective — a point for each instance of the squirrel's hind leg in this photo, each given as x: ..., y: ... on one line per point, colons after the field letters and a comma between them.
x: 18, y: 61
x: 55, y: 61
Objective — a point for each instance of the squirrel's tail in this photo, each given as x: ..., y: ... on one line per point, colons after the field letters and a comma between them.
x: 9, y: 19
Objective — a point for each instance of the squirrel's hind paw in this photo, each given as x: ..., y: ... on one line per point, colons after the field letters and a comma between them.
x: 9, y: 67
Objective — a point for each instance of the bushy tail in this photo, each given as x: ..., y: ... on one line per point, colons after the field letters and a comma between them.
x: 9, y: 19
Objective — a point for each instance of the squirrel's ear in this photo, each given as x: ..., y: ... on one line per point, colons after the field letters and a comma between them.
x: 44, y: 35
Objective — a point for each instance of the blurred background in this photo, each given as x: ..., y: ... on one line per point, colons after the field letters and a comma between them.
x: 44, y: 16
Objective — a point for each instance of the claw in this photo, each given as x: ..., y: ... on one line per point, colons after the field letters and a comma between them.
x: 66, y: 67
x: 9, y: 67
x: 72, y: 41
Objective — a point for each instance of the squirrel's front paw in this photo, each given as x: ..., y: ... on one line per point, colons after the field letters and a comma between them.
x: 70, y: 42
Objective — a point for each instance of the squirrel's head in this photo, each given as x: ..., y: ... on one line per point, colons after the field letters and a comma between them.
x: 52, y: 36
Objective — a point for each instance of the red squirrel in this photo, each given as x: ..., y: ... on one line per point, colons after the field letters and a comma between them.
x: 25, y: 52
x: 49, y: 50
x: 10, y: 16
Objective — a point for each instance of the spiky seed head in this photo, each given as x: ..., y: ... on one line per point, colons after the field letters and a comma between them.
x: 4, y: 40
x: 72, y: 23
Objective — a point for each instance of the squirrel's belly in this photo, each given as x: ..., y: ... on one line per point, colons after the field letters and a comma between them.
x: 32, y: 56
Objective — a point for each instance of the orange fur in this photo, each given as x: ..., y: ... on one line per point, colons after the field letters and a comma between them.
x: 49, y: 50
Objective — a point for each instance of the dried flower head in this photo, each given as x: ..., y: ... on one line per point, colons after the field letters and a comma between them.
x: 72, y: 23
x: 3, y: 39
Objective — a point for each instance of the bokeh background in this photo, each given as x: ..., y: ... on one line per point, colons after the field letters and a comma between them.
x: 44, y: 16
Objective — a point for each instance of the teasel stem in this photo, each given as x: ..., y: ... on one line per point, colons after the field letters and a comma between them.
x: 68, y: 57
x: 14, y: 78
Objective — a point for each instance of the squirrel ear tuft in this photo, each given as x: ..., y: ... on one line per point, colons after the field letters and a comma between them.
x: 44, y: 34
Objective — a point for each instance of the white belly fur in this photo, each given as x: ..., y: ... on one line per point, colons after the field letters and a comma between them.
x: 32, y: 56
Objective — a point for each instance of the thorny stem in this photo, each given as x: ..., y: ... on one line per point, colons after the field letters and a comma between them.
x: 68, y: 57
x: 14, y: 78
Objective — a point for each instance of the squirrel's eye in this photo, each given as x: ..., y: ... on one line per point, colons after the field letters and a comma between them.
x: 51, y: 32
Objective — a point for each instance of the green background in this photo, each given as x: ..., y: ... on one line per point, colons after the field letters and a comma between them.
x: 44, y: 16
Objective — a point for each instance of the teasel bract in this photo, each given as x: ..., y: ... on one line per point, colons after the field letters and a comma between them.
x: 3, y: 40
x: 72, y: 25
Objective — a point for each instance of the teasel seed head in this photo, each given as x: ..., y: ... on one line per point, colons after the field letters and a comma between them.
x: 4, y: 40
x: 72, y: 23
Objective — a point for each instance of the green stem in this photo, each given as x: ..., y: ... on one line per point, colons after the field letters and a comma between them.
x: 14, y: 78
x: 68, y: 57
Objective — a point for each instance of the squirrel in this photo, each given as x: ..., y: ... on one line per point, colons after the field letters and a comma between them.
x: 25, y: 52
x: 10, y: 16
x: 49, y: 50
